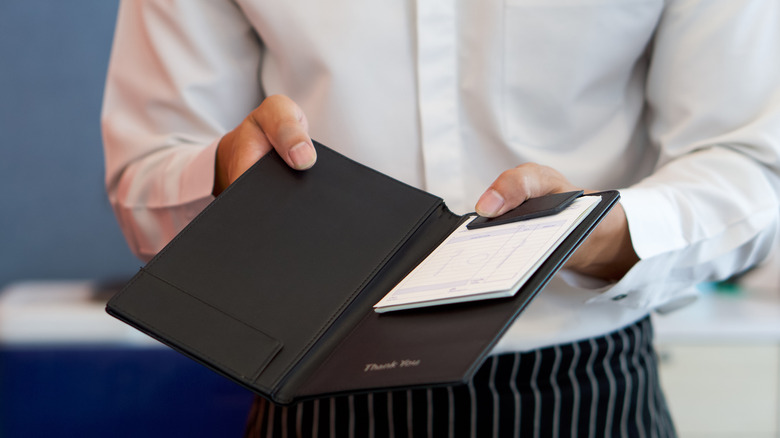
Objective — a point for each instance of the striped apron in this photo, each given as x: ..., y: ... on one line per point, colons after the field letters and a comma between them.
x: 601, y: 387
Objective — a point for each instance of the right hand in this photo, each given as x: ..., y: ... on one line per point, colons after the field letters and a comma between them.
x: 278, y: 123
x: 607, y: 253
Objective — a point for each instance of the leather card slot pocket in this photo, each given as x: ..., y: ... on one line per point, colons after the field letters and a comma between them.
x: 195, y: 327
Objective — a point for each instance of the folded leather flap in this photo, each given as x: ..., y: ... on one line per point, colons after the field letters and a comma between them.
x: 188, y: 324
x: 287, y: 251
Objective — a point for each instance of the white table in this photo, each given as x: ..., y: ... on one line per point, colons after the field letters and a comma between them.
x: 720, y: 364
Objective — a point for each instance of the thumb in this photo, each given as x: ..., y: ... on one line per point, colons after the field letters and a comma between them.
x: 287, y: 129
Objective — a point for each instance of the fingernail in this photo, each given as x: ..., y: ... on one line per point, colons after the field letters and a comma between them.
x: 302, y: 156
x: 490, y: 203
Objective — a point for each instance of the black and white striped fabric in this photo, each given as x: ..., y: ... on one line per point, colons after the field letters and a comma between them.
x: 601, y: 387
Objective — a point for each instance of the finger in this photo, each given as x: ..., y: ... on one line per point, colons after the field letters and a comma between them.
x: 286, y: 128
x: 249, y: 146
x: 514, y: 186
x: 238, y: 150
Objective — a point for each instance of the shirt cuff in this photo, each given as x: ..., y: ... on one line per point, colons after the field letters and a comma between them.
x: 652, y: 221
x: 638, y: 288
x: 197, y: 179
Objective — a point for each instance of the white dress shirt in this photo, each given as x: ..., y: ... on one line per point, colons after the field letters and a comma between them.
x: 674, y: 102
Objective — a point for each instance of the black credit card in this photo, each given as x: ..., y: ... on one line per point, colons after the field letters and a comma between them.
x: 532, y: 208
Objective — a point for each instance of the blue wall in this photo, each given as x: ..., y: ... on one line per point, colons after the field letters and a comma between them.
x: 55, y: 221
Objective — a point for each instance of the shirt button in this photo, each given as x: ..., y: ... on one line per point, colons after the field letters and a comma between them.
x: 619, y: 297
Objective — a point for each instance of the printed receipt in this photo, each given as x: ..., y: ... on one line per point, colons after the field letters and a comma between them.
x: 483, y: 263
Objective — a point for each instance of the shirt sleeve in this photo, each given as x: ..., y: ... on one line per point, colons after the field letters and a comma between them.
x: 181, y: 74
x: 710, y: 209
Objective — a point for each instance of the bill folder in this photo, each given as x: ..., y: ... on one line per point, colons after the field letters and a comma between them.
x: 273, y: 284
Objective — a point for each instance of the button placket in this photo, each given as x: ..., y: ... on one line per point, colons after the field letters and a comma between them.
x: 437, y: 82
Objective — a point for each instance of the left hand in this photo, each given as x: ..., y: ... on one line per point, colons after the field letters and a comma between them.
x: 607, y: 253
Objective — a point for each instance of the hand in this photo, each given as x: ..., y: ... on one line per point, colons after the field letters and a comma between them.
x: 607, y: 253
x: 278, y: 123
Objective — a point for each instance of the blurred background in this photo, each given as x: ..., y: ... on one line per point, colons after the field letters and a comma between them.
x: 56, y: 221
x: 66, y: 368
